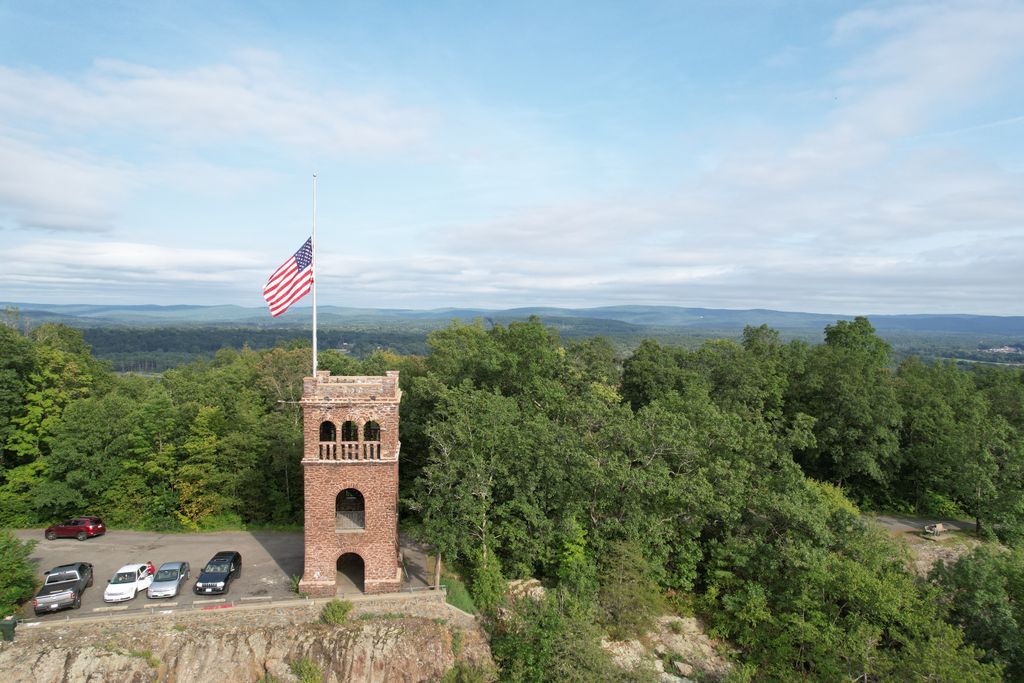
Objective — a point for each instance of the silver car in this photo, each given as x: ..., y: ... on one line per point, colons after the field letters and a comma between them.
x: 168, y: 580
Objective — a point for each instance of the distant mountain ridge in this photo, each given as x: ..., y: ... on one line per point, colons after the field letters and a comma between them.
x: 623, y: 319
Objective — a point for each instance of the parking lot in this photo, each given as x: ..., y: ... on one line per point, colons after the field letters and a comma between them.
x: 269, y: 560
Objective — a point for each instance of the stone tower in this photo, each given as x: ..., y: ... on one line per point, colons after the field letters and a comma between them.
x: 350, y: 467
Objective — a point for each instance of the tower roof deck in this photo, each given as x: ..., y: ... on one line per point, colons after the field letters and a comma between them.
x: 347, y: 388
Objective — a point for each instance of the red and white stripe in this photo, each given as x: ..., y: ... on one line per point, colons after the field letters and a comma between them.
x: 287, y: 285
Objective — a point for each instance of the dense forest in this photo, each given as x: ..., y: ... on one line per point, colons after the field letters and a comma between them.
x: 725, y: 480
x: 155, y: 349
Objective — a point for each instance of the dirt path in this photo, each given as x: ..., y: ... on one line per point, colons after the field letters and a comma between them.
x: 899, y: 524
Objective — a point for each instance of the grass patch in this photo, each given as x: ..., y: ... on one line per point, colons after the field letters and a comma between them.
x: 306, y: 670
x: 335, y: 612
x: 370, y: 616
x: 458, y: 594
x: 180, y: 627
x: 147, y: 656
x: 457, y: 638
x: 464, y: 672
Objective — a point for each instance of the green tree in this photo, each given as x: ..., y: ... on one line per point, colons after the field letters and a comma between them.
x: 203, y: 478
x: 628, y: 598
x: 847, y: 387
x: 16, y: 362
x: 62, y: 370
x: 984, y: 593
x: 536, y: 641
x: 18, y: 578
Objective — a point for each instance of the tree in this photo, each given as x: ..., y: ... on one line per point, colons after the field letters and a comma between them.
x: 984, y: 593
x: 62, y: 370
x: 18, y: 578
x: 203, y: 478
x: 846, y: 386
x: 16, y: 362
x: 474, y: 435
x: 629, y: 599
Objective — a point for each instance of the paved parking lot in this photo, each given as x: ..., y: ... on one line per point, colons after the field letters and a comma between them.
x: 269, y: 559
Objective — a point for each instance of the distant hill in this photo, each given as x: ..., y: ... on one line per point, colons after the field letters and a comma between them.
x: 610, y: 320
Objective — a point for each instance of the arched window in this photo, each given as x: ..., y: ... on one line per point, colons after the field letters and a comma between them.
x: 371, y: 431
x: 328, y: 432
x: 371, y: 441
x: 328, y: 438
x: 349, y: 431
x: 349, y: 511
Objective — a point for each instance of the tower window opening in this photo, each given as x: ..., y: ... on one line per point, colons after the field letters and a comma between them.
x: 349, y: 511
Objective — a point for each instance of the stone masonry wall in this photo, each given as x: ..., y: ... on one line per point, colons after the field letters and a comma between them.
x: 377, y: 543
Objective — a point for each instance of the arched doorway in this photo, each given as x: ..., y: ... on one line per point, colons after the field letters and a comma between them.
x: 350, y: 574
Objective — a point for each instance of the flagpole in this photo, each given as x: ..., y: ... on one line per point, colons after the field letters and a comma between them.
x: 314, y: 275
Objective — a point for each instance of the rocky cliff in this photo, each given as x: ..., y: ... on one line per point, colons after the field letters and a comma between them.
x: 245, y: 645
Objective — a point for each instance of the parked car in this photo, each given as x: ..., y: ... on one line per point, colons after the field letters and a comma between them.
x: 63, y: 587
x: 127, y: 581
x: 218, y: 573
x: 168, y: 580
x: 79, y: 527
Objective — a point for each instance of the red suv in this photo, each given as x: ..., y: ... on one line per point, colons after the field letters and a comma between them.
x: 80, y: 528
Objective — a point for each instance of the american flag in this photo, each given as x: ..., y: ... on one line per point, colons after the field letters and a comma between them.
x: 291, y: 281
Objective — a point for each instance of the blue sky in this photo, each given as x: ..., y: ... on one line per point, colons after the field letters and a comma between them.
x: 827, y: 156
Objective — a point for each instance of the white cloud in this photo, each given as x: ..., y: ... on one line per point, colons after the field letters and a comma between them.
x: 57, y: 191
x: 254, y: 99
x: 103, y: 265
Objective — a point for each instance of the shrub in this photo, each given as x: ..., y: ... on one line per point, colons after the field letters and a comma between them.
x: 535, y: 640
x: 464, y: 672
x: 335, y: 612
x: 306, y: 670
x: 938, y: 505
x: 293, y: 583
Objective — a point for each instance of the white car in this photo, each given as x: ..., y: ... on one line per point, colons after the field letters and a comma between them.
x: 129, y: 580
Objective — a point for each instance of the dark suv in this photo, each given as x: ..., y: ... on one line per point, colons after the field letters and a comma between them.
x: 218, y: 573
x: 79, y: 527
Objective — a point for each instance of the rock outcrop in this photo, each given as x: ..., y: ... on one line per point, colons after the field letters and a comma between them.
x: 678, y: 651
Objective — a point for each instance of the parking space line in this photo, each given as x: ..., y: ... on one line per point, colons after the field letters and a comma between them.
x: 122, y: 608
x: 203, y: 602
x: 158, y: 605
x: 258, y: 597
